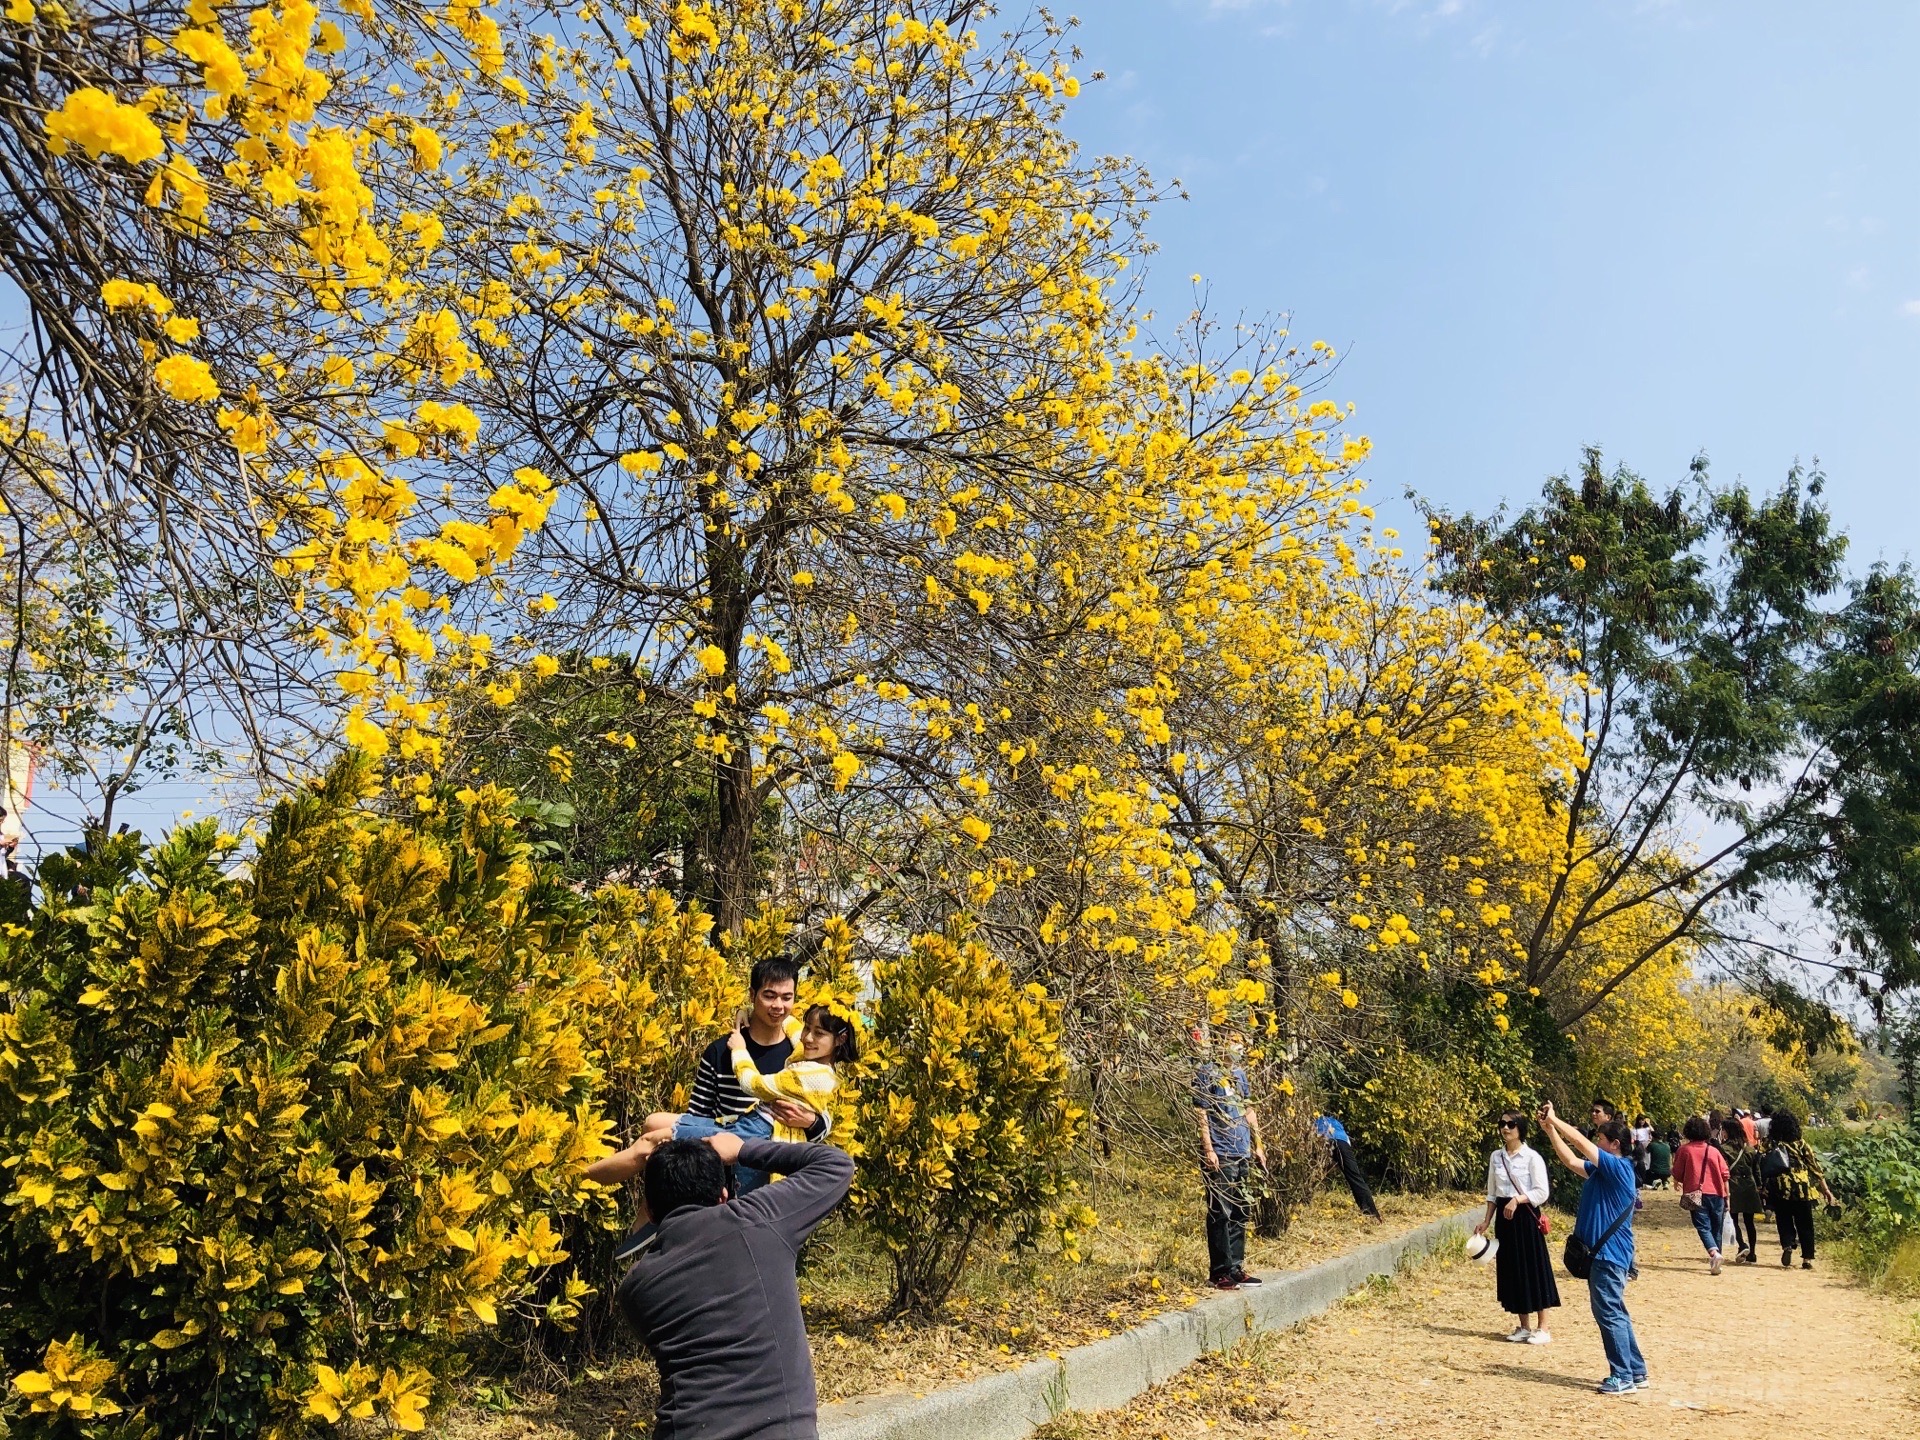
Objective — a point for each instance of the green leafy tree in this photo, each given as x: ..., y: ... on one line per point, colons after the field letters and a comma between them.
x: 1695, y: 627
x: 606, y: 772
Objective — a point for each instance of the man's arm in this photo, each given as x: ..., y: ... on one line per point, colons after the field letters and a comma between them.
x: 622, y: 1167
x: 1207, y: 1158
x: 816, y: 1179
x: 796, y: 1116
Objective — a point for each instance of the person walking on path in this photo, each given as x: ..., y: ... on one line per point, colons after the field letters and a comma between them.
x: 1349, y: 1163
x: 1792, y: 1173
x: 1605, y: 1222
x: 1229, y: 1144
x: 713, y: 1295
x: 1744, y: 1200
x: 1516, y: 1195
x: 1700, y: 1175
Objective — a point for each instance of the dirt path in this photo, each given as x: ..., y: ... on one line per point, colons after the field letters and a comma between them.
x: 1758, y: 1350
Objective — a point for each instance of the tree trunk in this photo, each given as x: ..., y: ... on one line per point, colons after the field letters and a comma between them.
x: 736, y: 807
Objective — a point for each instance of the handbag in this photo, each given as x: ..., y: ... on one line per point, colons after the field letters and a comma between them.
x: 1578, y: 1256
x: 1690, y: 1200
x: 1539, y: 1216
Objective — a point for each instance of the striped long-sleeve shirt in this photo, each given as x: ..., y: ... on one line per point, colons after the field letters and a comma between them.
x: 719, y: 1096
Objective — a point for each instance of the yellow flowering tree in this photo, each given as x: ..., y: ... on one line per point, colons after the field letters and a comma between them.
x: 219, y: 248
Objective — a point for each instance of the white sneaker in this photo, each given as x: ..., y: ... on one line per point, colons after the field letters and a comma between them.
x: 1539, y: 1337
x: 1713, y: 1263
x: 1519, y: 1336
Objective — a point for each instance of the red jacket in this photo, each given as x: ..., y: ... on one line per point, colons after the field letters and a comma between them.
x: 1699, y: 1165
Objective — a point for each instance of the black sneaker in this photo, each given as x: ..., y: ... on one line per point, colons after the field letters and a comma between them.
x: 1224, y: 1282
x: 1243, y: 1279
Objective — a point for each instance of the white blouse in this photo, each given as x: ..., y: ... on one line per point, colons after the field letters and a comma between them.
x: 1529, y: 1174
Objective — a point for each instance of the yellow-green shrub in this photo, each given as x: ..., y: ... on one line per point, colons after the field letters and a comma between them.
x: 280, y: 1139
x: 1426, y: 1120
x: 662, y: 992
x: 964, y: 1121
x: 652, y: 990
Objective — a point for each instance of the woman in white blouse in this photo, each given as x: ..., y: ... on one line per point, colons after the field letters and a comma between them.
x: 1516, y: 1195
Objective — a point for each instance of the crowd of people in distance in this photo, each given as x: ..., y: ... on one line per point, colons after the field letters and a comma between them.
x: 1726, y: 1169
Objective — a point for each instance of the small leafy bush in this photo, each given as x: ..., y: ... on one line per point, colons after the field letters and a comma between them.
x: 964, y: 1120
x: 1875, y: 1173
x: 278, y: 1141
x: 1425, y: 1120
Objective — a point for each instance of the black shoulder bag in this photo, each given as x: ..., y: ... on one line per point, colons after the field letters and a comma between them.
x: 1578, y: 1256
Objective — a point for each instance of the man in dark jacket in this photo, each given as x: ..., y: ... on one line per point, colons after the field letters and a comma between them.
x: 713, y: 1295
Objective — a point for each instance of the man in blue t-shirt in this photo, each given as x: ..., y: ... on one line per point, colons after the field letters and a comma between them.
x: 1229, y: 1142
x: 1605, y: 1222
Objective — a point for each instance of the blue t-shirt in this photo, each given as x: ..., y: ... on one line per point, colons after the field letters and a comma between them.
x: 1221, y: 1095
x: 1331, y: 1128
x: 1611, y: 1188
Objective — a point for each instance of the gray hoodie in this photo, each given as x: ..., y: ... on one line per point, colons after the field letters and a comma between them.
x: 713, y: 1297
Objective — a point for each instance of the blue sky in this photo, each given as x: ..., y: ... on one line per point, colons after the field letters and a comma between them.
x: 1659, y: 227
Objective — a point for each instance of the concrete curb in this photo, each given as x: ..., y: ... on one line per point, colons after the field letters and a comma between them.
x: 1111, y: 1372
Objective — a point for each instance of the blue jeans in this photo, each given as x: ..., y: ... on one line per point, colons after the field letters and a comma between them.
x: 1607, y: 1292
x: 1710, y: 1219
x: 754, y: 1125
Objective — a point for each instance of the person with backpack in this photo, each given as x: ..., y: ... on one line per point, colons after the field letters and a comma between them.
x: 1600, y: 1250
x: 1791, y: 1173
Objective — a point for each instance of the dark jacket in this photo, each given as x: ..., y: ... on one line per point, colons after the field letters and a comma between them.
x: 714, y: 1299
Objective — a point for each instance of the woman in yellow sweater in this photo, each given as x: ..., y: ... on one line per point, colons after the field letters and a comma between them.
x: 827, y: 1040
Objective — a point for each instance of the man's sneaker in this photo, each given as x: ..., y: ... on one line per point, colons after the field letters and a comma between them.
x: 1806, y: 1264
x: 1539, y: 1337
x: 1614, y: 1385
x: 1641, y: 1382
x: 1519, y: 1336
x: 1713, y: 1263
x: 1224, y: 1282
x: 1244, y: 1278
x: 1786, y: 1259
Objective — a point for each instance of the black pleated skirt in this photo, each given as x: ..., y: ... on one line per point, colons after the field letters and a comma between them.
x: 1523, y: 1269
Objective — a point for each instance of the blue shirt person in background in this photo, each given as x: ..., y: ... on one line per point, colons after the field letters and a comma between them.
x: 1606, y: 1205
x: 1343, y: 1156
x: 1229, y: 1143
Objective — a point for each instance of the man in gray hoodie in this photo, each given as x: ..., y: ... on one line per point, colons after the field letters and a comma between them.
x: 713, y: 1296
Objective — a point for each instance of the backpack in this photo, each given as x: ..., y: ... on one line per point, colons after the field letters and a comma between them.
x: 1785, y: 1172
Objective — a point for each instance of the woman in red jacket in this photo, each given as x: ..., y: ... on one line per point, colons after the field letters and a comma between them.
x: 1700, y: 1175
